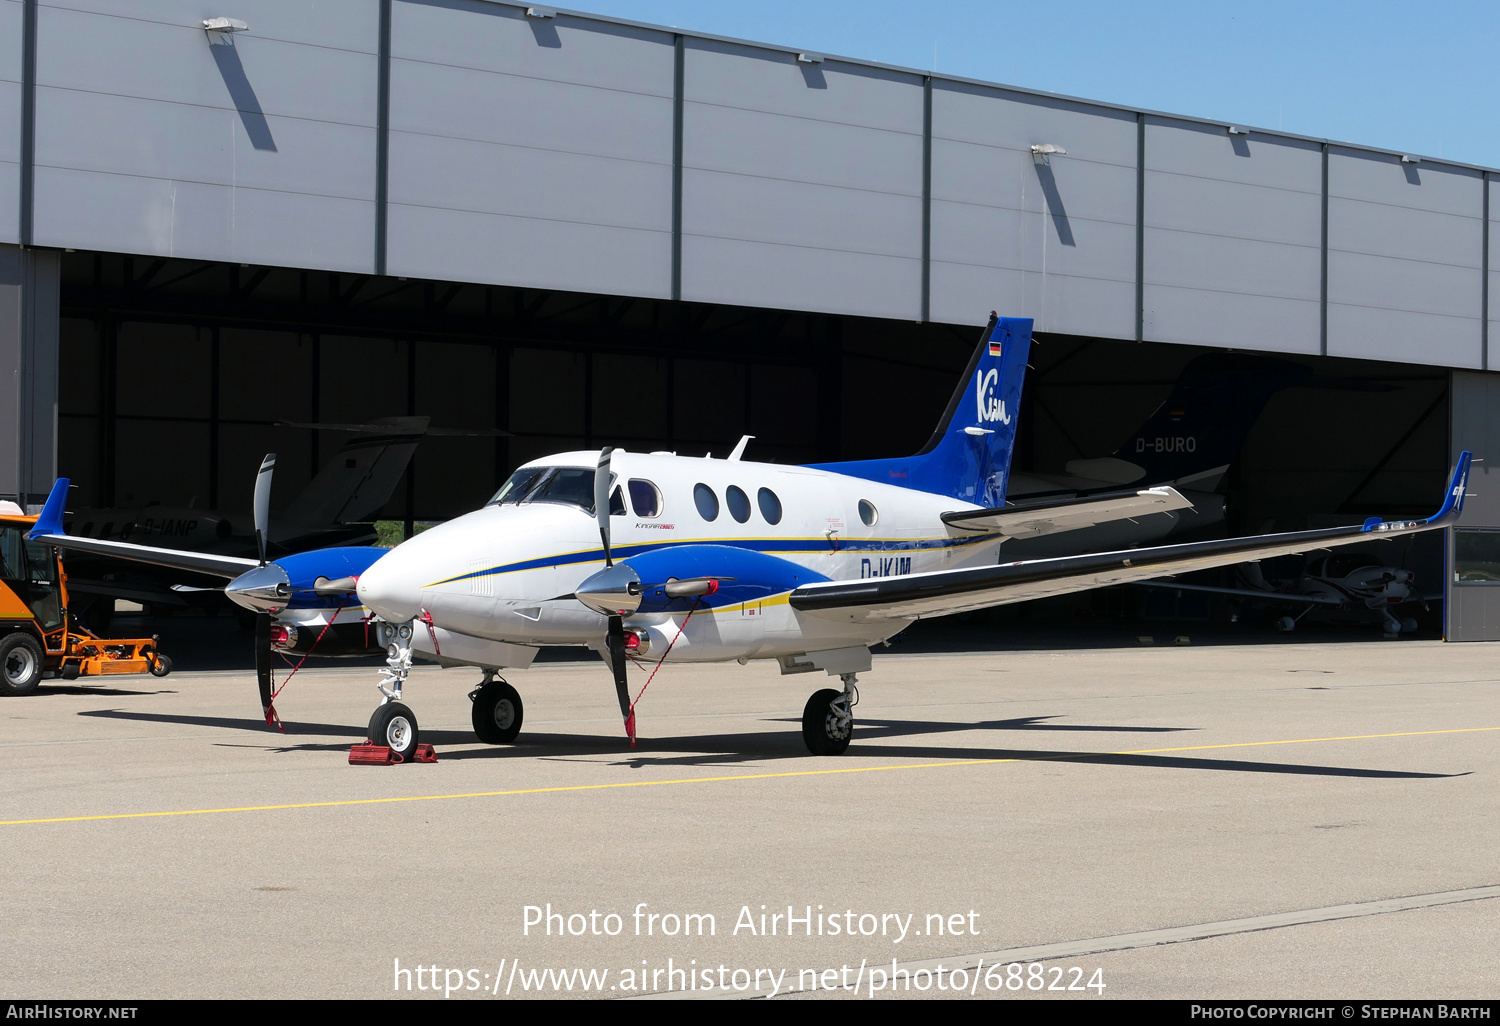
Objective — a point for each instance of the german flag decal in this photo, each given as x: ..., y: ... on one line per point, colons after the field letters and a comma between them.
x: 994, y: 348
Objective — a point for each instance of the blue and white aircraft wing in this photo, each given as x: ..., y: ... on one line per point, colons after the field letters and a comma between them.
x: 49, y: 531
x: 1033, y: 519
x: 954, y: 591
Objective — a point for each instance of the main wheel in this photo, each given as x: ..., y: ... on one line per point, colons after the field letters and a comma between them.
x: 20, y: 664
x: 497, y: 713
x: 395, y: 726
x: 820, y: 727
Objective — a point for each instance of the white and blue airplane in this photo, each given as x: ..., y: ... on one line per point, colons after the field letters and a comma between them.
x: 646, y: 557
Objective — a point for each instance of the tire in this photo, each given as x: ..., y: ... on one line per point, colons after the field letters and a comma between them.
x: 70, y: 671
x: 21, y: 664
x: 159, y: 664
x: 497, y: 713
x: 818, y: 730
x: 395, y: 726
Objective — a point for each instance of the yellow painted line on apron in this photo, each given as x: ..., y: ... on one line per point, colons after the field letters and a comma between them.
x: 720, y: 780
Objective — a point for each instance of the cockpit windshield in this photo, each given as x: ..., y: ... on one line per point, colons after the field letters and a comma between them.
x: 517, y: 485
x: 573, y: 486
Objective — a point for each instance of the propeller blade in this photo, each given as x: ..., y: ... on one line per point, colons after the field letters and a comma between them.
x: 263, y: 504
x: 601, y: 502
x: 263, y: 661
x: 615, y: 642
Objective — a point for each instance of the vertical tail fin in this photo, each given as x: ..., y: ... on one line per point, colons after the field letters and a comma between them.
x: 969, y: 455
x: 360, y: 477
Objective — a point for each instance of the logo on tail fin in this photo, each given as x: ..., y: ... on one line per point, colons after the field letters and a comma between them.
x: 991, y: 409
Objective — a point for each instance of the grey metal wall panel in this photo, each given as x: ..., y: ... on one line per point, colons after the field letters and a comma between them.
x: 153, y: 216
x: 10, y: 120
x: 151, y: 140
x: 802, y: 183
x: 459, y: 245
x: 1055, y: 242
x: 555, y: 169
x: 1473, y: 611
x: 1404, y: 246
x: 1233, y: 239
x: 339, y: 24
x: 1494, y: 283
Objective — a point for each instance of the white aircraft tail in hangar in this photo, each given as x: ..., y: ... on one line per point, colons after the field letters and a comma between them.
x: 653, y: 557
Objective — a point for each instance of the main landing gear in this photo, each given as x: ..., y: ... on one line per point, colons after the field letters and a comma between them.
x: 828, y: 719
x: 394, y: 724
x: 497, y: 711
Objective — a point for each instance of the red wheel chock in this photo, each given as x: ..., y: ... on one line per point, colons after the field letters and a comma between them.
x: 368, y: 753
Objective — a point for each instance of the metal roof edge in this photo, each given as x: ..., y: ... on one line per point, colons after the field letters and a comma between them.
x: 939, y: 77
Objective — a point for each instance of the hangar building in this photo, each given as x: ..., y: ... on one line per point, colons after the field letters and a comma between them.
x: 222, y: 217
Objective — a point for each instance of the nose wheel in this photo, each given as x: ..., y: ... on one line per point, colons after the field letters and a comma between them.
x: 497, y: 711
x: 395, y: 726
x: 828, y: 719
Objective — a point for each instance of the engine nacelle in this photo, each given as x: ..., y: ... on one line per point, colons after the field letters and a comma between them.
x: 675, y: 579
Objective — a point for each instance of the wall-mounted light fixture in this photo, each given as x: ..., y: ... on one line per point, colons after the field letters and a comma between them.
x: 540, y: 12
x: 809, y: 58
x: 1407, y: 158
x: 1237, y: 130
x: 1042, y: 152
x: 224, y: 25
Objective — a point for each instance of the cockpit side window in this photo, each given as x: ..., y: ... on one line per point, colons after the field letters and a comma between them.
x: 645, y: 498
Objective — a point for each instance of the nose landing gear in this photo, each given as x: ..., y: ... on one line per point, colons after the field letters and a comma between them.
x: 393, y: 724
x: 828, y: 718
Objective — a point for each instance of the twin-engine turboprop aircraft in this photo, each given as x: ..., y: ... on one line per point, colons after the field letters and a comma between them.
x: 647, y: 557
x: 697, y: 559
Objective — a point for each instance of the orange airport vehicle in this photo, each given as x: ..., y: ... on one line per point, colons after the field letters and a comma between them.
x: 37, y: 636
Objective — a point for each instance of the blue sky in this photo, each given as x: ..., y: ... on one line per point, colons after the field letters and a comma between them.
x: 1416, y: 77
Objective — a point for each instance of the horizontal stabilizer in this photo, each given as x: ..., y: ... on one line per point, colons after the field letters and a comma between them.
x: 1033, y: 519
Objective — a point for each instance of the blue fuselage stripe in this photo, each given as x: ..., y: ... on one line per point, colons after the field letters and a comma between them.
x: 770, y: 546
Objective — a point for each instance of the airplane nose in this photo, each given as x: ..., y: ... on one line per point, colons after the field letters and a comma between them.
x: 263, y: 589
x: 389, y: 589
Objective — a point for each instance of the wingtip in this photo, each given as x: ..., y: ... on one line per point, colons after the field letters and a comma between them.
x: 51, y: 519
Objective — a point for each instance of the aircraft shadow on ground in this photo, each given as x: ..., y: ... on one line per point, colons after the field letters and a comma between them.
x: 73, y: 689
x: 759, y: 746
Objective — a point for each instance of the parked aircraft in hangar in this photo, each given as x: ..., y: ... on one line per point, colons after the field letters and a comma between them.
x: 658, y: 557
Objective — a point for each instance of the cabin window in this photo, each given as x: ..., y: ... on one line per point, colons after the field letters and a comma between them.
x: 738, y: 503
x: 868, y: 514
x: 645, y: 499
x: 770, y: 505
x: 617, y: 502
x: 706, y: 501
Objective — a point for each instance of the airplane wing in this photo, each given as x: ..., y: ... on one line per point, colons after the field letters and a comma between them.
x: 48, y: 530
x: 1250, y: 593
x: 954, y: 591
x: 1032, y: 519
